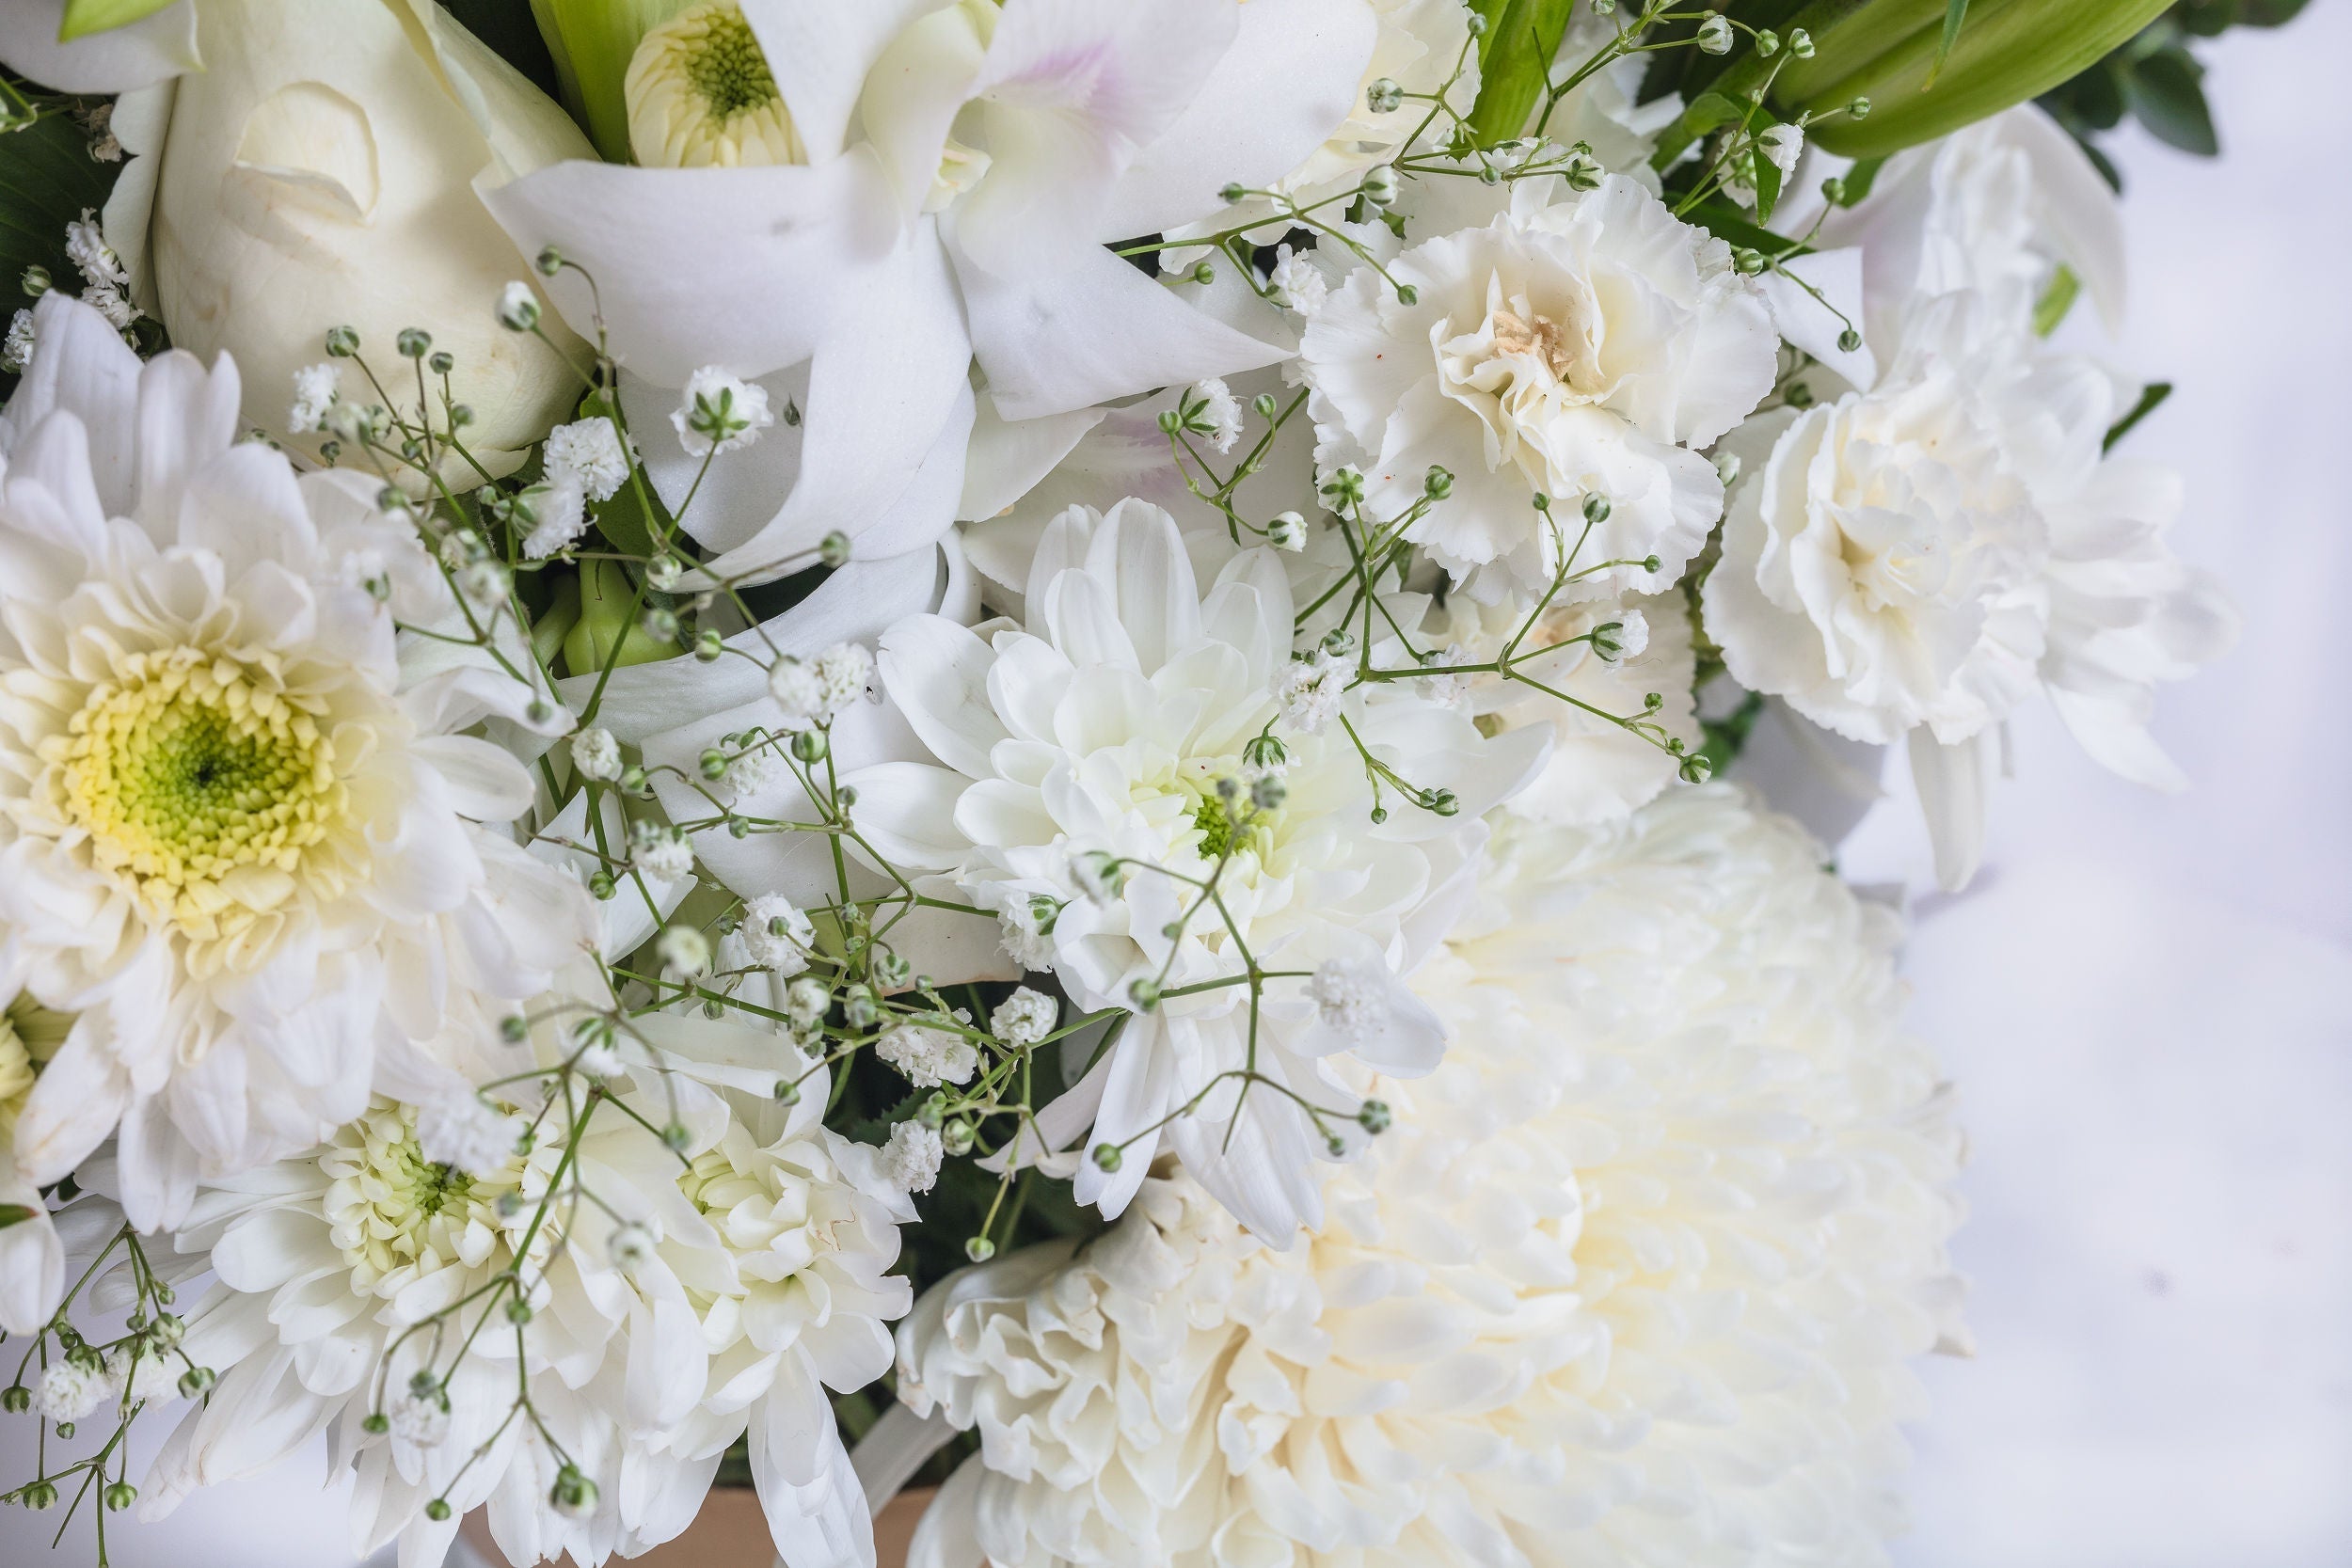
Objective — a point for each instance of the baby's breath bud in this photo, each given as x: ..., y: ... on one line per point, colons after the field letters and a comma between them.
x: 1438, y: 485
x: 601, y: 886
x: 1171, y: 421
x: 120, y: 1495
x: 1801, y: 43
x: 550, y: 260
x: 1726, y: 467
x: 513, y: 1028
x: 1263, y: 404
x: 1407, y: 295
x: 955, y: 1138
x: 662, y: 572
x: 1383, y: 95
x: 859, y: 1008
x: 1204, y: 273
x: 16, y: 1400
x: 1232, y: 192
x: 1266, y: 752
x: 442, y: 363
x: 1269, y: 792
x: 1107, y: 1157
x: 708, y: 645
x: 377, y: 1424
x: 1859, y: 108
x: 1651, y: 563
x: 980, y: 1248
x: 1849, y: 341
x: 1287, y: 531
x: 517, y: 308
x: 1372, y: 1117
x: 1767, y: 42
x: 1443, y: 802
x: 714, y: 763
x: 40, y: 1495
x: 834, y: 550
x: 437, y: 1509
x: 1750, y: 262
x: 1145, y: 994
x: 1714, y: 37
x: 661, y: 622
x: 1379, y: 185
x: 518, y: 1311
x: 1596, y: 509
x: 342, y: 341
x: 413, y: 343
x: 810, y: 745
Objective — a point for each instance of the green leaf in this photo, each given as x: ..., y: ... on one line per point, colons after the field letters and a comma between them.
x: 1767, y: 176
x: 1955, y: 12
x: 15, y: 1213
x: 1514, y: 63
x: 47, y: 178
x: 84, y: 17
x: 2149, y: 402
x: 592, y: 42
x: 2269, y: 13
x: 1709, y: 110
x: 2056, y: 301
x: 2166, y: 97
x: 1859, y: 179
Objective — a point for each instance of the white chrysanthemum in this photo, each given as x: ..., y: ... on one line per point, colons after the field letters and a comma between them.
x: 32, y: 1258
x: 1110, y: 730
x: 233, y: 802
x: 592, y: 452
x: 1597, y: 769
x: 699, y: 95
x: 1572, y: 348
x: 1634, y: 1278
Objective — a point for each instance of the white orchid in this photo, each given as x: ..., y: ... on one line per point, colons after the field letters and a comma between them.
x: 958, y: 172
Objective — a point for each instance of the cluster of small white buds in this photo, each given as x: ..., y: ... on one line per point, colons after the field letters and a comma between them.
x: 930, y: 1057
x: 911, y: 1160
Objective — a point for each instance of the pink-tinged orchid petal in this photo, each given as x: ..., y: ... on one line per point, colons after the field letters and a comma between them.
x: 1288, y: 81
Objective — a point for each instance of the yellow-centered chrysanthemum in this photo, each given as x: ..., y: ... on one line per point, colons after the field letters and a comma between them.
x: 700, y: 95
x: 240, y: 825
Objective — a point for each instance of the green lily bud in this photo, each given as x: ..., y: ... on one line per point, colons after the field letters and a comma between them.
x: 606, y: 594
x: 1893, y: 53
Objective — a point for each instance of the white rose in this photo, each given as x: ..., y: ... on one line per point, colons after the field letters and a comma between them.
x: 319, y: 172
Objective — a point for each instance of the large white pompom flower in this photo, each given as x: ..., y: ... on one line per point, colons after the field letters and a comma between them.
x: 1634, y: 1278
x: 1111, y: 727
x: 241, y: 836
x: 1569, y: 348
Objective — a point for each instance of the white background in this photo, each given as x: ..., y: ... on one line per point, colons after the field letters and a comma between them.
x: 2147, y: 1002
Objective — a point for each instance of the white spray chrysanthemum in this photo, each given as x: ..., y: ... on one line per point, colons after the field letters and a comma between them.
x: 1634, y: 1278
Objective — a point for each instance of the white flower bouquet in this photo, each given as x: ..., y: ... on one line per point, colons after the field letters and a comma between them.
x: 974, y: 747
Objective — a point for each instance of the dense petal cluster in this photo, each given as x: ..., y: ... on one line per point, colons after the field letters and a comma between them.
x: 1635, y: 1277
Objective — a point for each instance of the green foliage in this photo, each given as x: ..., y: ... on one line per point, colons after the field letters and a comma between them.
x: 47, y: 178
x: 591, y: 43
x: 1514, y: 62
x: 2157, y: 79
x: 84, y: 17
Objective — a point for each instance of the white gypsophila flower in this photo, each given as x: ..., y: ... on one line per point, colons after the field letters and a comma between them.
x: 485, y: 584
x: 1094, y: 759
x: 844, y: 671
x: 1025, y: 1018
x: 1783, y: 144
x: 806, y: 1001
x: 660, y: 851
x: 1312, y: 690
x: 1635, y: 1276
x: 630, y: 1245
x: 1297, y: 282
x: 910, y: 1161
x: 1914, y: 561
x: 719, y: 412
x: 558, y: 510
x: 238, y: 774
x: 1599, y: 770
x: 1220, y: 411
x: 929, y: 1058
x: 799, y: 690
x: 700, y: 96
x: 684, y: 950
x: 112, y: 304
x: 757, y: 763
x: 596, y: 754
x: 17, y: 351
x: 68, y: 1390
x: 463, y: 1133
x: 600, y: 1058
x: 1349, y: 996
x: 314, y: 393
x: 1024, y: 930
x: 517, y: 307
x: 420, y: 1421
x: 1572, y: 348
x: 85, y: 246
x: 591, y: 452
x: 777, y: 934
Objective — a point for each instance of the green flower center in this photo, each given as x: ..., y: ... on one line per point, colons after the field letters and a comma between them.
x: 724, y: 62
x: 184, y: 772
x: 431, y: 1186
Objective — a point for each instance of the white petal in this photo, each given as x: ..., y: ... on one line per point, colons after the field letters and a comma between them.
x: 143, y: 52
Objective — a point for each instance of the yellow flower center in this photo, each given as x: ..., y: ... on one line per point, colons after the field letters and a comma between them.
x: 191, y: 777
x: 30, y: 1035
x: 700, y: 95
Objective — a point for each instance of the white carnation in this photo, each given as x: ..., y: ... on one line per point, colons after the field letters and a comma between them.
x: 1634, y: 1277
x: 1574, y: 349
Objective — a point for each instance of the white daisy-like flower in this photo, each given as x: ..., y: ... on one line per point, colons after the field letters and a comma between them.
x: 929, y: 1058
x: 910, y: 1159
x: 234, y: 801
x: 1634, y: 1278
x: 777, y: 934
x: 1094, y: 759
x: 718, y: 412
x: 1025, y: 1018
x: 592, y: 452
x: 1599, y: 770
x: 314, y: 394
x: 1570, y: 348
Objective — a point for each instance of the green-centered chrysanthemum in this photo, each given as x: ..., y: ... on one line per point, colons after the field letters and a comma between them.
x: 700, y: 95
x: 188, y: 774
x: 391, y: 1211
